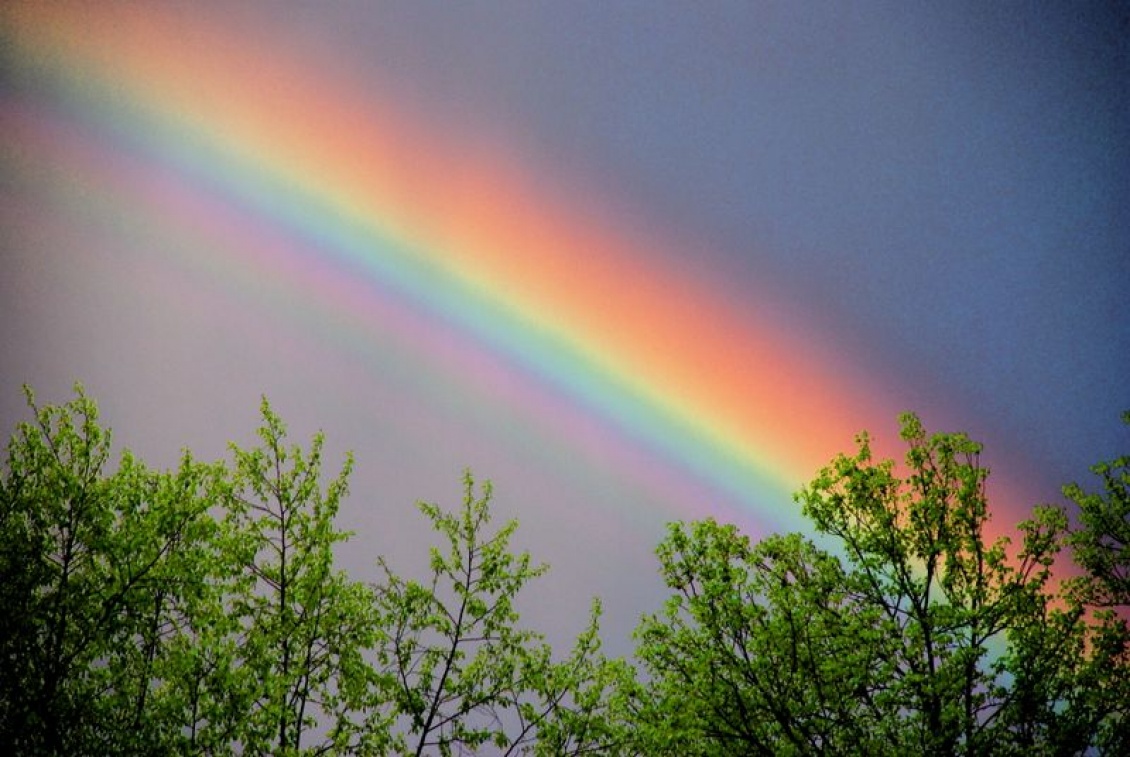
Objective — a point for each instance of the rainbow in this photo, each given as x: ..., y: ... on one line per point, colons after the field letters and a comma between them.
x: 383, y: 219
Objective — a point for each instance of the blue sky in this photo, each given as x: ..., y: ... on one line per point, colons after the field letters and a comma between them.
x: 936, y: 192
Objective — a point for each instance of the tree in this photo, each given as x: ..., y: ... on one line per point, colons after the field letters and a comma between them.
x: 161, y: 531
x: 199, y: 611
x: 194, y: 611
x: 1102, y: 541
x: 466, y: 675
x: 579, y: 708
x: 915, y: 636
x: 275, y: 661
x: 918, y: 544
x: 755, y: 653
x: 88, y: 579
x: 1101, y: 547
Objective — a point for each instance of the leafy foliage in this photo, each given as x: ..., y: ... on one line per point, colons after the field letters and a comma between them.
x: 1101, y: 547
x: 199, y: 611
x: 1102, y: 544
x: 916, y: 637
x: 279, y: 637
x: 755, y: 651
x: 90, y: 569
x: 466, y: 675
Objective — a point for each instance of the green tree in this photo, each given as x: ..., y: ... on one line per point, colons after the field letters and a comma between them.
x: 192, y: 611
x: 199, y: 611
x: 467, y: 676
x: 1102, y: 541
x: 88, y: 579
x: 914, y: 636
x: 276, y: 660
x: 919, y: 547
x: 1101, y: 547
x: 756, y: 652
x: 159, y: 535
x: 579, y: 705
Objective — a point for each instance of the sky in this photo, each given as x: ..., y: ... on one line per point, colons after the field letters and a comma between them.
x: 634, y: 262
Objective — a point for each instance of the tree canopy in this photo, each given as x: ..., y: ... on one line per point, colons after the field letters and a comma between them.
x: 199, y: 610
x: 914, y: 636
